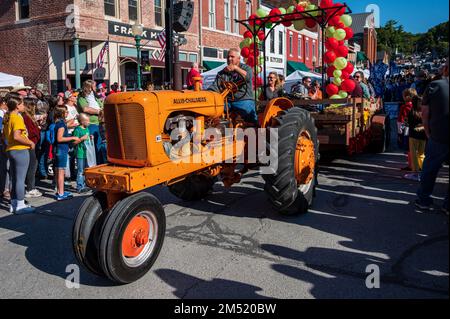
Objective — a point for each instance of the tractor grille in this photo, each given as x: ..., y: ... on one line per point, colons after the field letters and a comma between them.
x: 125, y: 132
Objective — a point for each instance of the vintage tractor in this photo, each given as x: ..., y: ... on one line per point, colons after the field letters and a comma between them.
x: 119, y: 231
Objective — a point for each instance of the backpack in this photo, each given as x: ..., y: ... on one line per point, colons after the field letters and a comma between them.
x: 50, y: 134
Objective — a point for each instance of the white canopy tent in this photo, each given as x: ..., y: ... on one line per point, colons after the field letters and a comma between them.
x: 8, y: 80
x: 297, y: 76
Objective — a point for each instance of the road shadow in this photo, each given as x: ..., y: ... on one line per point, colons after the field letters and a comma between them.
x: 216, y: 288
x: 342, y: 274
x: 47, y: 238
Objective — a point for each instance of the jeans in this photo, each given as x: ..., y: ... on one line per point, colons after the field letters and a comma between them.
x: 42, y: 155
x: 94, y: 130
x: 30, y: 180
x: 245, y: 108
x: 81, y: 165
x: 19, y: 161
x: 435, y: 156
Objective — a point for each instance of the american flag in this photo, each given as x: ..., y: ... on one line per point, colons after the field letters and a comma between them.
x: 101, y: 55
x: 162, y: 42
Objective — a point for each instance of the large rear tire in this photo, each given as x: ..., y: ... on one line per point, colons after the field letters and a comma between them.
x: 193, y: 187
x: 132, y: 237
x: 86, y: 232
x: 291, y: 189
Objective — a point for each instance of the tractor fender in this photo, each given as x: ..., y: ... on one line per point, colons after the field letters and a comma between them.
x: 272, y: 110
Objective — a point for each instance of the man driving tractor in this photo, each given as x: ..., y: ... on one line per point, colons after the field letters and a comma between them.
x: 237, y: 72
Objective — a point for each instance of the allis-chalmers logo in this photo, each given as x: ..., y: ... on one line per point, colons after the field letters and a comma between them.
x: 188, y: 100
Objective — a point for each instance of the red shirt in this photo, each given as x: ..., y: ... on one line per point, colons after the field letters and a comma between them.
x: 404, y: 111
x: 192, y: 74
x: 34, y: 133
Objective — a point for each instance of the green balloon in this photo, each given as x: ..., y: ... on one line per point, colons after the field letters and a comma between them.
x: 312, y: 7
x: 343, y: 94
x: 242, y: 45
x: 261, y: 13
x: 291, y: 9
x: 261, y: 60
x: 335, y: 97
x: 340, y: 34
x: 337, y: 73
x: 299, y: 25
x: 347, y: 20
x: 282, y: 10
x: 330, y: 32
x: 337, y: 81
x: 340, y: 63
x: 269, y: 25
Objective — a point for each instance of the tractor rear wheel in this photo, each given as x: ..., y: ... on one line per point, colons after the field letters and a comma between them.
x: 132, y: 237
x: 86, y: 232
x: 193, y: 187
x: 291, y: 189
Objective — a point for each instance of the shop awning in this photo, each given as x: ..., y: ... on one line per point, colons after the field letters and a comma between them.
x: 361, y: 57
x: 210, y: 65
x: 296, y: 66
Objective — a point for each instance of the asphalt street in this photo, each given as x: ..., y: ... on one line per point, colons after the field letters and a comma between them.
x: 233, y: 245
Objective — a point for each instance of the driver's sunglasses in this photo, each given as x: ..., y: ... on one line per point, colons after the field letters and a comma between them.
x: 357, y: 77
x: 271, y: 78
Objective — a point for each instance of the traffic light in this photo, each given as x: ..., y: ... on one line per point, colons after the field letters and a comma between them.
x: 183, y: 12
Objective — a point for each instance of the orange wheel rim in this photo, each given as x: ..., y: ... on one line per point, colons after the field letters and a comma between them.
x: 135, y: 237
x: 305, y: 159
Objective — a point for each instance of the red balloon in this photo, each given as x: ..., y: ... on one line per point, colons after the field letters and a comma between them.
x: 349, y: 32
x: 345, y: 75
x: 330, y: 57
x: 252, y: 21
x: 286, y: 23
x: 273, y: 13
x: 342, y: 42
x: 330, y: 71
x: 245, y: 52
x: 342, y: 51
x: 340, y: 25
x: 341, y: 11
x: 326, y: 3
x: 310, y: 23
x: 331, y: 44
x: 300, y: 8
x: 251, y: 61
x: 348, y: 85
x: 349, y: 68
x: 334, y: 21
x: 248, y: 35
x: 261, y: 35
x: 332, y: 89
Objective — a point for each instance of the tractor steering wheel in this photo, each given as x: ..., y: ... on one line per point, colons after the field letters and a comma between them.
x: 237, y: 82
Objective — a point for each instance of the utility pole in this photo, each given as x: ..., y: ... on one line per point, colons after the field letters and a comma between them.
x: 169, y: 57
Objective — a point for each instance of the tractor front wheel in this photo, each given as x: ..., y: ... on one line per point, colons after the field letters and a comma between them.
x: 86, y: 232
x: 291, y: 188
x: 132, y: 237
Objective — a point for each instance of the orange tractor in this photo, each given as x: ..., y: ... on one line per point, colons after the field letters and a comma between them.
x: 119, y: 231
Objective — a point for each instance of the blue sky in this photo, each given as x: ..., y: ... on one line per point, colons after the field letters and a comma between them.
x: 416, y: 16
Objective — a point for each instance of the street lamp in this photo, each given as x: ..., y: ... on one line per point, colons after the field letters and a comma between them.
x: 137, y: 31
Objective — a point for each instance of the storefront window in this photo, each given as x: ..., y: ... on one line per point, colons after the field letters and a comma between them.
x: 183, y: 57
x: 82, y: 57
x: 192, y: 58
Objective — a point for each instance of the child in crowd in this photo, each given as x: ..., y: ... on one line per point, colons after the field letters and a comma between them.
x: 403, y: 130
x: 34, y: 134
x: 82, y: 132
x: 102, y: 147
x: 61, y: 151
x: 417, y: 139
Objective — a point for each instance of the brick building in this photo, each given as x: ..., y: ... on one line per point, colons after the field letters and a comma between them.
x: 365, y: 36
x: 37, y: 38
x: 302, y: 50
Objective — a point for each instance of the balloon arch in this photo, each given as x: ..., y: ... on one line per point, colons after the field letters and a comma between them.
x: 335, y: 24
